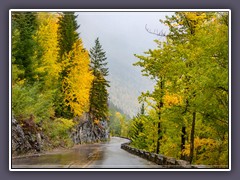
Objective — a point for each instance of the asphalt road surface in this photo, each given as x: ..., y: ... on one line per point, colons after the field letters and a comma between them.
x: 101, y: 155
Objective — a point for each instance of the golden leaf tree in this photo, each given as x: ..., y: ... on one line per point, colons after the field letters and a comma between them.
x: 77, y: 85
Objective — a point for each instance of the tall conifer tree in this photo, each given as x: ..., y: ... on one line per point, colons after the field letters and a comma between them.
x: 99, y: 94
x: 23, y: 52
x: 67, y: 36
x: 67, y: 32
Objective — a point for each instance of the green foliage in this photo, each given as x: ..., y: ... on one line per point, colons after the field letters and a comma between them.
x: 67, y: 32
x: 143, y: 131
x: 70, y: 47
x: 136, y: 129
x: 51, y: 77
x: 118, y: 121
x: 114, y: 123
x: 24, y: 46
x: 191, y: 73
x: 123, y: 124
x: 21, y: 101
x: 27, y: 100
x: 67, y: 37
x: 98, y: 93
x: 16, y: 74
x: 98, y: 57
x: 137, y: 134
x: 58, y: 130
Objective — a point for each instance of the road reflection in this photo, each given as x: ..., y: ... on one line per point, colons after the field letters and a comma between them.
x: 100, y: 155
x: 80, y: 155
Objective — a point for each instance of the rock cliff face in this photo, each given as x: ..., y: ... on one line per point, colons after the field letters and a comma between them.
x: 19, y: 142
x: 87, y: 132
x: 28, y: 138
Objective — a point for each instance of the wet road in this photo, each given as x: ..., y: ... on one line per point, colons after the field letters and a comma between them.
x: 100, y: 155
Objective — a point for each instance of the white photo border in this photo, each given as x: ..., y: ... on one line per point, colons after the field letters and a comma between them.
x: 112, y: 11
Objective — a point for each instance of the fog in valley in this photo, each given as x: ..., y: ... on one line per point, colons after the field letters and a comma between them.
x: 123, y: 34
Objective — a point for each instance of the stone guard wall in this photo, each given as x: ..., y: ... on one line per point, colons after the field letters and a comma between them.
x: 166, y: 162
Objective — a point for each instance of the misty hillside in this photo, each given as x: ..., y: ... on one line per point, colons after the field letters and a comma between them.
x: 126, y: 85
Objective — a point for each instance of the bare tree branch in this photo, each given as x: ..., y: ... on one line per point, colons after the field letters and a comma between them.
x: 155, y: 32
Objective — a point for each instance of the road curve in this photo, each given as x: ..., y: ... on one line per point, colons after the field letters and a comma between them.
x: 101, y: 155
x: 115, y: 157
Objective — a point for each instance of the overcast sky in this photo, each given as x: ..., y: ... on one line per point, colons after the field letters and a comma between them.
x: 122, y: 34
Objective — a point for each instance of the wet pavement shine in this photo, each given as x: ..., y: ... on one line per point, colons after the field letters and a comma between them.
x: 107, y: 155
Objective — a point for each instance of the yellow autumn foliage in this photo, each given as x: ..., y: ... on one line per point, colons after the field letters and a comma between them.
x: 64, y: 124
x: 96, y: 121
x: 204, y: 151
x: 77, y: 85
x: 195, y: 19
x: 195, y: 16
x: 46, y: 36
x: 171, y: 100
x: 58, y: 131
x: 199, y: 143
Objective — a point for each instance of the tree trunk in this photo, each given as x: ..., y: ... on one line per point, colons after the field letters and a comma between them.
x: 192, y: 138
x: 159, y: 121
x: 183, y: 139
x: 159, y: 136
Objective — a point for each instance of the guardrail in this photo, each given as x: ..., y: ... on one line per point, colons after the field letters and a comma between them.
x: 166, y: 162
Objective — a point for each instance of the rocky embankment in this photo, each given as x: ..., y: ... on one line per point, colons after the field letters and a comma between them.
x: 19, y: 142
x: 87, y: 132
x: 28, y: 137
x: 25, y: 138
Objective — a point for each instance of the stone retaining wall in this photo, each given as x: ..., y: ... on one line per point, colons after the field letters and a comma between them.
x: 166, y: 162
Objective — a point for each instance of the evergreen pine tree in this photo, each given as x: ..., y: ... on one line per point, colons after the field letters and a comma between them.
x: 137, y: 126
x: 23, y: 52
x: 99, y: 94
x: 67, y: 33
x: 67, y: 36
